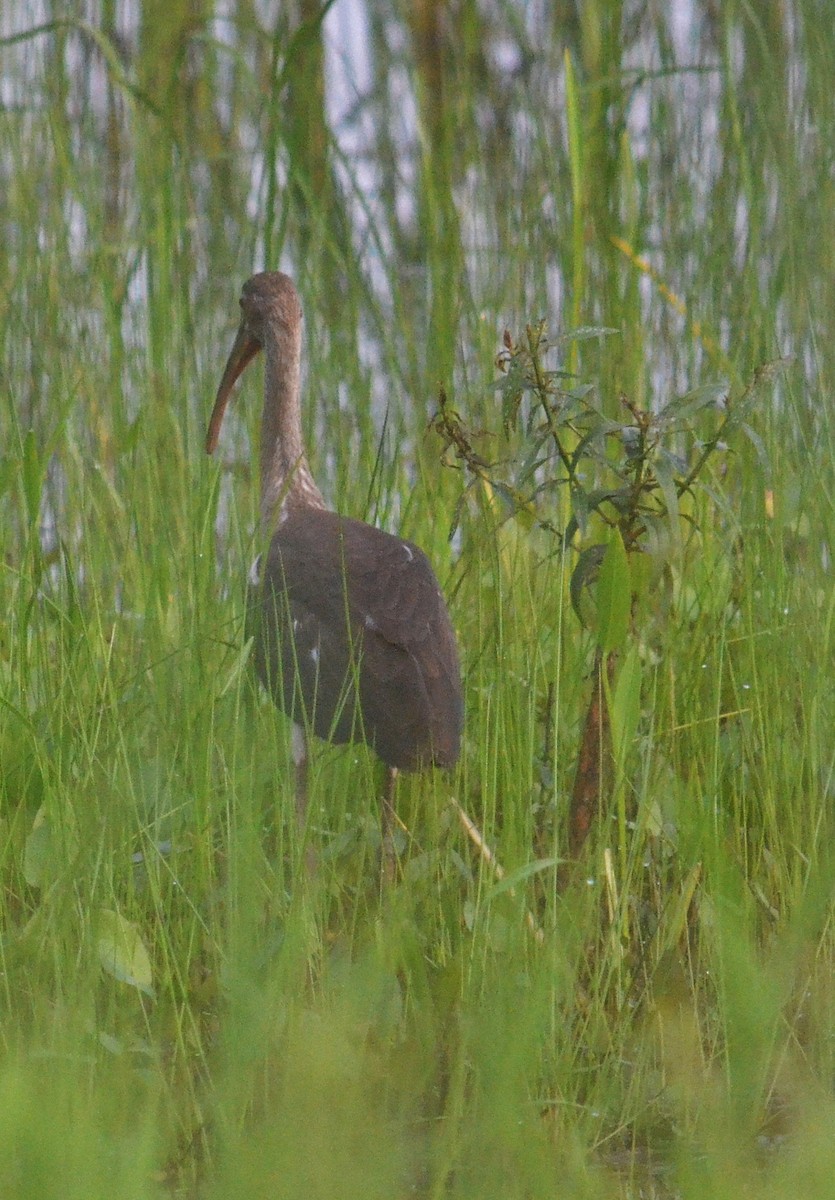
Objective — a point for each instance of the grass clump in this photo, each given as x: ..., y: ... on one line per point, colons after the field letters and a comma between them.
x: 181, y: 1014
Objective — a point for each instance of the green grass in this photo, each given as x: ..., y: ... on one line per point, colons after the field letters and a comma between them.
x: 253, y: 1033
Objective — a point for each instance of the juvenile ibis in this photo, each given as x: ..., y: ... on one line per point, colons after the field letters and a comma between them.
x: 351, y: 633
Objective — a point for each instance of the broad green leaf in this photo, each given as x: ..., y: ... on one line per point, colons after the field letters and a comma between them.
x: 625, y: 709
x: 9, y: 468
x: 520, y: 875
x: 37, y: 852
x: 525, y: 517
x: 122, y: 952
x: 614, y: 596
x: 32, y: 476
x: 674, y: 921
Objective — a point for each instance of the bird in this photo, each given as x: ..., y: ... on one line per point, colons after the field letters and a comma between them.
x: 351, y: 633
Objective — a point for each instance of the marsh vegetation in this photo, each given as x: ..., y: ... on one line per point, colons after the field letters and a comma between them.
x: 184, y: 1015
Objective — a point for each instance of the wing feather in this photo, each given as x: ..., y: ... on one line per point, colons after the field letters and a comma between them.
x: 355, y: 639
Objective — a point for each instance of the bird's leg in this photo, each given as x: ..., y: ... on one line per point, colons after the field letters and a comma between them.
x: 299, y: 750
x: 388, y: 824
x: 299, y: 747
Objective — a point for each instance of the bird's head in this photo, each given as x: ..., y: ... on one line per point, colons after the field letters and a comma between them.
x: 270, y: 308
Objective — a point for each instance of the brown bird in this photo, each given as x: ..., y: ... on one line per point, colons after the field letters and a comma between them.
x: 351, y: 633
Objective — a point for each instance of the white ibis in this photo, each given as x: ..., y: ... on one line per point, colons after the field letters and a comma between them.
x: 352, y: 636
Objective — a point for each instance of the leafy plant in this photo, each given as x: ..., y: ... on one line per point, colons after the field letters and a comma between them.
x: 620, y: 492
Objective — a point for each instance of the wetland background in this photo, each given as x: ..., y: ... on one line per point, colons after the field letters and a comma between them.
x: 181, y: 1016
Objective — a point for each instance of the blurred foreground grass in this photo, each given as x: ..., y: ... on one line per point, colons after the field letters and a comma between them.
x: 181, y: 1014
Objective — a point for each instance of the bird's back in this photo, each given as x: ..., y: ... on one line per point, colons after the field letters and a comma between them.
x: 354, y: 639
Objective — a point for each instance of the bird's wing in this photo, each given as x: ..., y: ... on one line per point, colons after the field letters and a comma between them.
x: 364, y: 596
x: 340, y: 569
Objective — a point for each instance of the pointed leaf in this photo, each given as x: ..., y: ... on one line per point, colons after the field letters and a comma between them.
x: 626, y: 704
x: 580, y: 509
x: 614, y: 596
x: 520, y: 875
x: 32, y: 476
x: 582, y: 576
x: 683, y: 407
x: 122, y: 952
x: 758, y: 444
x: 37, y: 852
x: 238, y: 667
x: 666, y: 482
x: 584, y: 332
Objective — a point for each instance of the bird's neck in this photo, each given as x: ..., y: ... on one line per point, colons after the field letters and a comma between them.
x: 286, y: 481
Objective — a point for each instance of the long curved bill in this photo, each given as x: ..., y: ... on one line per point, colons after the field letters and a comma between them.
x: 240, y: 356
